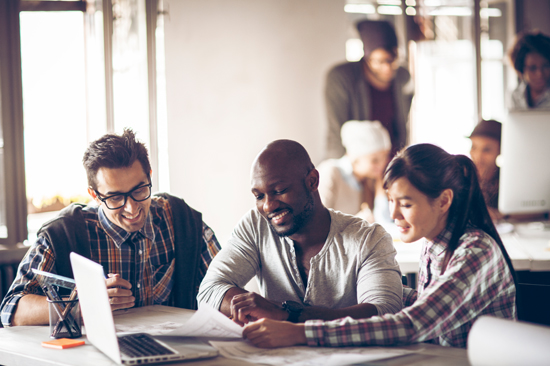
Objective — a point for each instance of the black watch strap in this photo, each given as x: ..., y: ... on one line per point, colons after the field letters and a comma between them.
x: 294, y: 310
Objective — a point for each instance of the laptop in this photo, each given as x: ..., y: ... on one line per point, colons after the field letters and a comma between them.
x: 100, y: 326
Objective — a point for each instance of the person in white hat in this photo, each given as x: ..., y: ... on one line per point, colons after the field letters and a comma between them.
x: 353, y: 183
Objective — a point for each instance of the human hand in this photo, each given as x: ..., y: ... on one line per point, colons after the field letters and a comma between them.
x: 118, y: 289
x: 250, y: 306
x: 268, y: 333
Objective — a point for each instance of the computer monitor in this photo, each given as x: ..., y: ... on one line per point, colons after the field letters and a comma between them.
x: 524, y: 163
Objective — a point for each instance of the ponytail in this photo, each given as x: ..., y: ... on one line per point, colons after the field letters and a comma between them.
x: 471, y: 209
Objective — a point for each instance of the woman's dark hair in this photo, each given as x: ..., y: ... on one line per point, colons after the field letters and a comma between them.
x: 432, y: 170
x: 113, y: 152
x: 526, y: 43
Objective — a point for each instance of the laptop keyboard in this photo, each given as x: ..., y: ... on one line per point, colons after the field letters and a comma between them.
x: 142, y: 345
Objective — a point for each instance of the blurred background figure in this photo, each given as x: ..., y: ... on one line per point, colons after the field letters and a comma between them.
x: 374, y: 88
x: 353, y: 183
x: 484, y: 152
x: 530, y: 56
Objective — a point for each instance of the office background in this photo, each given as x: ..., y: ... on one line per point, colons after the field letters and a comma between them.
x: 207, y: 84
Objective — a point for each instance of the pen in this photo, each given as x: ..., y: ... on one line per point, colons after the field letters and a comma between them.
x: 67, y: 310
x: 58, y: 307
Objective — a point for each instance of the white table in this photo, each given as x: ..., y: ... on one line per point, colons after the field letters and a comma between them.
x: 22, y: 345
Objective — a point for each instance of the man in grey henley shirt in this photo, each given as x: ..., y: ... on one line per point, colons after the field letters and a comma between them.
x: 310, y: 262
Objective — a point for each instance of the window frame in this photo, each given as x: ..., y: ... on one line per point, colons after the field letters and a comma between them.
x: 11, y: 98
x: 11, y: 95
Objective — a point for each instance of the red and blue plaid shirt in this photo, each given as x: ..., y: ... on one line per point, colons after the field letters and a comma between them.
x: 477, y: 281
x: 145, y: 258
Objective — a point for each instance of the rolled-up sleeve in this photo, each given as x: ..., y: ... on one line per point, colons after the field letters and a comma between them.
x: 40, y: 256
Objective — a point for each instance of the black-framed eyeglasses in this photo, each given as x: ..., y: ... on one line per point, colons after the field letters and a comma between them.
x: 117, y: 201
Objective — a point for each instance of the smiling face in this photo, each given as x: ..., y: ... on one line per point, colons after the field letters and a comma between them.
x: 415, y: 214
x: 282, y: 198
x: 131, y: 217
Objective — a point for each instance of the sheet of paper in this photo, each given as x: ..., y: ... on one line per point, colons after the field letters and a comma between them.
x: 304, y: 356
x: 497, y: 341
x: 210, y: 323
x: 157, y: 329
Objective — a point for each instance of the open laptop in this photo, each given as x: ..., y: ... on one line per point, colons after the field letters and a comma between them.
x: 100, y: 326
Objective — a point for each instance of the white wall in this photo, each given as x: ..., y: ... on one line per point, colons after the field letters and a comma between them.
x: 239, y: 74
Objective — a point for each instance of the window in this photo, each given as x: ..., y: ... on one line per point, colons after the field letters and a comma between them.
x: 76, y: 85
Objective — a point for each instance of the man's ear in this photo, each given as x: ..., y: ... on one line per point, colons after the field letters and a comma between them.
x: 312, y: 180
x: 445, y: 200
x: 92, y: 193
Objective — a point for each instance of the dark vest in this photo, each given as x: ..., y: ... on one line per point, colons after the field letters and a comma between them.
x: 67, y: 233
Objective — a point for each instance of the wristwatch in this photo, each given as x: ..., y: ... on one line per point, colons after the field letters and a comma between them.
x: 294, y: 310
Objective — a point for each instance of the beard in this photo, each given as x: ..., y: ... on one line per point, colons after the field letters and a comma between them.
x: 300, y: 220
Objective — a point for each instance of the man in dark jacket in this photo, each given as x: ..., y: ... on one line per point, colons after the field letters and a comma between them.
x: 372, y: 89
x: 155, y: 250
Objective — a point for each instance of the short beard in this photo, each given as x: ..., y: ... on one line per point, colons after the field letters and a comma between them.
x: 301, y: 220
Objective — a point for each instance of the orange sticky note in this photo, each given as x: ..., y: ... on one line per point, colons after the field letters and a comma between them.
x: 63, y: 343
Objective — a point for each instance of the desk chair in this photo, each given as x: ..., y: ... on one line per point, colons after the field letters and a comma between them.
x: 533, y: 303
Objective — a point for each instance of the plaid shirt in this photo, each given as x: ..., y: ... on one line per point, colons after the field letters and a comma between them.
x: 145, y: 258
x: 477, y: 282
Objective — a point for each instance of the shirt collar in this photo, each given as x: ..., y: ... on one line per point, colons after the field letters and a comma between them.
x: 441, y: 241
x: 120, y: 235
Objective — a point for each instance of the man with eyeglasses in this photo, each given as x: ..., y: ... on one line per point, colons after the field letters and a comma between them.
x: 155, y: 250
x: 375, y: 88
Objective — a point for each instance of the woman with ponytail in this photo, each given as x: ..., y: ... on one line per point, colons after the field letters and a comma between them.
x: 464, y: 273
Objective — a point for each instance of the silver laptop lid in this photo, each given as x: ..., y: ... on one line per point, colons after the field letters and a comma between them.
x: 94, y: 303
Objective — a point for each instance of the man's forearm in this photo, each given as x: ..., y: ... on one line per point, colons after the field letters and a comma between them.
x: 359, y: 311
x: 225, y: 307
x: 31, y: 310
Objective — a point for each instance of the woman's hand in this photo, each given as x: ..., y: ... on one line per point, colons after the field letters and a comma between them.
x: 268, y: 333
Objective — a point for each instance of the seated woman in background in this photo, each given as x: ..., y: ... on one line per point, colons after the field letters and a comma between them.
x: 530, y: 56
x: 464, y: 273
x: 484, y: 152
x: 353, y: 183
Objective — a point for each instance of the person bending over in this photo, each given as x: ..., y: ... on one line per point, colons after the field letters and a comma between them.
x: 464, y: 272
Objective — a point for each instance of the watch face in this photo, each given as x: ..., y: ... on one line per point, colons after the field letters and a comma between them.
x: 293, y: 306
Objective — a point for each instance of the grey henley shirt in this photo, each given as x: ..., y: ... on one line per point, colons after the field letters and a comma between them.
x: 356, y: 265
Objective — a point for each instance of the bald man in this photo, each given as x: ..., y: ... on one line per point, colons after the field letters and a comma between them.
x: 310, y: 262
